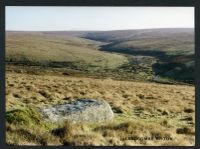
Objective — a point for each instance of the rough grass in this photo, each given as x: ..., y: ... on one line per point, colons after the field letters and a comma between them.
x: 145, y: 113
x: 20, y: 134
x: 23, y: 116
x: 141, y: 110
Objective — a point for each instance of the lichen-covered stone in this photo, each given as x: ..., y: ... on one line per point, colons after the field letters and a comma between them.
x: 81, y: 110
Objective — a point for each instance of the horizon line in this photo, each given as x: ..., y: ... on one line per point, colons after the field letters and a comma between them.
x: 96, y: 30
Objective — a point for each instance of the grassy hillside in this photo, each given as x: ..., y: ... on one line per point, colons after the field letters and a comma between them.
x: 120, y: 67
x: 48, y: 49
x: 140, y: 110
x: 151, y: 54
x: 124, y: 35
x: 172, y: 49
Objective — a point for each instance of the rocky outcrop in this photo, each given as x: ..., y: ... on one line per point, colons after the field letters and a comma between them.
x: 81, y: 110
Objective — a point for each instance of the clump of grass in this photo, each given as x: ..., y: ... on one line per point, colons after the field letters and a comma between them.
x: 65, y: 131
x: 77, y: 134
x: 68, y: 131
x: 25, y: 116
x: 189, y: 118
x: 87, y: 139
x: 44, y: 93
x: 188, y: 110
x: 184, y: 130
x: 117, y: 110
x: 20, y: 135
x: 166, y: 123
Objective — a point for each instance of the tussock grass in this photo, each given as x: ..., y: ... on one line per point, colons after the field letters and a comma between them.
x: 140, y: 109
x: 29, y: 135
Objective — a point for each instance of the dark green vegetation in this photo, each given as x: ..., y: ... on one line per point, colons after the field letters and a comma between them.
x: 19, y: 116
x: 171, y: 49
x: 28, y: 116
x: 160, y: 55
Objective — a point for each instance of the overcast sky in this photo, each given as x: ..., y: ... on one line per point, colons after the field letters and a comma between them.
x: 97, y: 18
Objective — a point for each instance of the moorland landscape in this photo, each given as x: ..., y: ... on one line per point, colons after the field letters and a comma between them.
x: 145, y: 75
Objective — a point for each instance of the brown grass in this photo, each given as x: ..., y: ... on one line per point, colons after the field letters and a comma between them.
x: 24, y: 135
x: 141, y: 110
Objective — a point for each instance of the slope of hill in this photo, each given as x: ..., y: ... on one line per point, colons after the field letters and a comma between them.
x: 173, y: 49
x: 38, y: 48
x: 140, y: 110
x: 150, y: 54
x: 124, y: 35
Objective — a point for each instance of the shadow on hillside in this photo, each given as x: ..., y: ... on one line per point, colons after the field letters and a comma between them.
x: 167, y: 66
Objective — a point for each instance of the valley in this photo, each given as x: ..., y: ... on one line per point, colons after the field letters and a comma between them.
x: 146, y: 76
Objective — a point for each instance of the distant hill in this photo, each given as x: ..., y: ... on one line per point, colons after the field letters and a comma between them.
x: 124, y: 35
x: 58, y: 50
x: 173, y: 48
x: 167, y: 53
